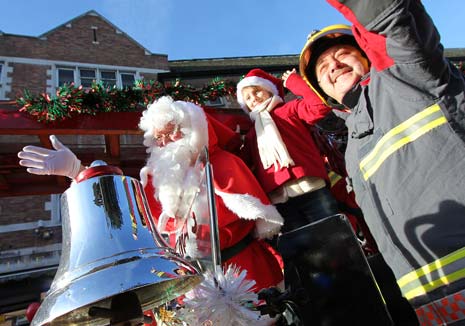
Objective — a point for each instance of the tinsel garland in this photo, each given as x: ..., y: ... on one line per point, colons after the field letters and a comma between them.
x: 224, y: 298
x: 70, y: 101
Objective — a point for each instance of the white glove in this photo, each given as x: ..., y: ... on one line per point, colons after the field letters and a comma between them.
x: 60, y: 161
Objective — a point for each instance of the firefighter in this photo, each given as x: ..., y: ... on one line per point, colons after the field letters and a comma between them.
x: 405, y: 153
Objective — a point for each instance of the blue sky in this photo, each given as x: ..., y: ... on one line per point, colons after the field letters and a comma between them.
x: 186, y: 29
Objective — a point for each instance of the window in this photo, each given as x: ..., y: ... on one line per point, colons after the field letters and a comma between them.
x: 218, y: 102
x: 1, y: 70
x: 127, y: 80
x: 65, y: 76
x: 87, y: 76
x: 108, y: 78
x: 94, y: 34
x: 2, y: 88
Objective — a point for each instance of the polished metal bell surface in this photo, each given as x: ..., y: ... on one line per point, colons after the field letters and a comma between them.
x: 110, y: 248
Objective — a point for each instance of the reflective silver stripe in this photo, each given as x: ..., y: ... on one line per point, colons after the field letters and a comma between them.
x: 406, y: 132
x: 432, y: 276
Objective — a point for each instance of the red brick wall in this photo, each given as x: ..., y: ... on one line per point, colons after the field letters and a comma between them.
x: 23, y: 209
x: 27, y: 239
x: 76, y: 44
x: 27, y: 76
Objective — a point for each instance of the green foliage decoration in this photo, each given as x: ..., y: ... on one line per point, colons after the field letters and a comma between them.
x: 69, y: 101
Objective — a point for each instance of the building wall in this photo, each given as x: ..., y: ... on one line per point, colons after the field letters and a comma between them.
x: 75, y: 42
x: 149, y: 76
x: 27, y: 76
x: 30, y: 232
x: 23, y: 209
x: 87, y: 41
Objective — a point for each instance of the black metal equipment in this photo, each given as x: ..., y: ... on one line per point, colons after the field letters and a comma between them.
x: 331, y: 283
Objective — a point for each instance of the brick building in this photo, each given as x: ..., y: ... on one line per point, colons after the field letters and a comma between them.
x: 81, y: 50
x: 85, y: 48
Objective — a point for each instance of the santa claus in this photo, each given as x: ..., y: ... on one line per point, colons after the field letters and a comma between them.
x: 175, y: 134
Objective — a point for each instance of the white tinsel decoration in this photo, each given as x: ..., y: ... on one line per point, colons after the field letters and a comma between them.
x: 229, y: 301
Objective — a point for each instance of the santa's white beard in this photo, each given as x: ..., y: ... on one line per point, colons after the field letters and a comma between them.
x: 171, y: 167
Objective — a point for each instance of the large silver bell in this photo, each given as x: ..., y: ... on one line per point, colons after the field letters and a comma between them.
x: 114, y: 263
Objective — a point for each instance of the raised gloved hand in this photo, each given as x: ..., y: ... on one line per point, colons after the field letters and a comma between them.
x: 60, y: 161
x: 286, y: 75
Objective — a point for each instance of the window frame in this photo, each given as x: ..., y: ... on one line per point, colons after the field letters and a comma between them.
x: 2, y: 89
x: 77, y: 79
x: 67, y: 69
x: 87, y: 79
x: 115, y: 75
x: 221, y: 103
x: 120, y: 75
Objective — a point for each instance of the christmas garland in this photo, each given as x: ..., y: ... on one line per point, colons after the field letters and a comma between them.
x: 69, y: 100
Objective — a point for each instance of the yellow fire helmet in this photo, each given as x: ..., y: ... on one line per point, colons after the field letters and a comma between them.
x: 317, y: 42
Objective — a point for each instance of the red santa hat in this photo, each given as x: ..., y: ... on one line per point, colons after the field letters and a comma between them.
x: 258, y: 77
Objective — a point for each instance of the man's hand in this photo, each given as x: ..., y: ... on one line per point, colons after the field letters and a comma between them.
x: 286, y: 75
x: 43, y: 161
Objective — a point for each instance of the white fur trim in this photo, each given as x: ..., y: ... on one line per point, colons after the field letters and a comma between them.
x: 144, y: 175
x: 268, y: 220
x: 254, y: 81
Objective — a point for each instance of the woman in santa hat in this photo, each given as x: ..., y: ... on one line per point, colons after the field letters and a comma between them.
x: 281, y: 150
x: 283, y: 156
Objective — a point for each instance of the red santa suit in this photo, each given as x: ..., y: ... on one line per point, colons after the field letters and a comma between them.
x: 245, y: 215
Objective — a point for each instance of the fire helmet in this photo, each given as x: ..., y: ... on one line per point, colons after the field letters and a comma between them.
x: 319, y: 41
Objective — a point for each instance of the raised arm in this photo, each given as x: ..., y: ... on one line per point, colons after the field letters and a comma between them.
x: 309, y: 107
x: 58, y: 161
x: 393, y: 31
x: 294, y: 82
